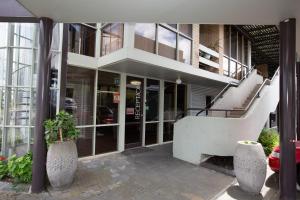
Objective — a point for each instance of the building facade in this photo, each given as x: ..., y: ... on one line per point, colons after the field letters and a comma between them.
x: 125, y: 83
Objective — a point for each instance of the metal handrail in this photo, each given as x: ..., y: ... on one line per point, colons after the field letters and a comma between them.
x: 257, y: 94
x: 225, y: 89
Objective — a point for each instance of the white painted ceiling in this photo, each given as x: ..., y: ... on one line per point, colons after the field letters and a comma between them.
x: 170, y: 11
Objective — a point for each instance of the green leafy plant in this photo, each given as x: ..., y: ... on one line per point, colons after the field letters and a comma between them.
x: 20, y: 168
x: 61, y: 128
x: 269, y: 138
x: 3, y: 169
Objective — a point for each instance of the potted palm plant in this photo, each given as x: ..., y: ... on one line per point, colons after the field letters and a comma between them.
x: 62, y: 156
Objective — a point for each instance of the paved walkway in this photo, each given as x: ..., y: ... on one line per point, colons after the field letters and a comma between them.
x: 148, y: 174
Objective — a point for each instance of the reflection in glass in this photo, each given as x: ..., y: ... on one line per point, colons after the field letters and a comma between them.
x: 108, y: 97
x: 151, y: 133
x: 184, y: 47
x: 173, y: 25
x: 145, y: 37
x: 106, y: 139
x: 84, y: 142
x: 169, y: 101
x: 168, y: 131
x: 17, y: 141
x: 186, y: 29
x: 233, y: 69
x: 79, y: 99
x: 166, y: 43
x: 111, y: 38
x: 152, y: 100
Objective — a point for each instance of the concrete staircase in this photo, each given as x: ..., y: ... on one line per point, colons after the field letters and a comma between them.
x: 240, y: 111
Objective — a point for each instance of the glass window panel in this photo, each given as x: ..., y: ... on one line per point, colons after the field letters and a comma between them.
x: 168, y: 131
x: 74, y: 37
x: 240, y: 47
x: 173, y: 25
x: 152, y: 100
x: 151, y: 133
x: 2, y: 103
x: 53, y: 103
x: 84, y: 142
x: 80, y: 94
x: 184, y: 48
x: 145, y: 37
x: 33, y: 106
x: 111, y: 38
x: 169, y: 101
x: 19, y: 106
x: 106, y: 139
x: 232, y: 69
x: 245, y: 61
x: 17, y: 141
x: 3, y: 58
x: 166, y: 43
x: 3, y: 34
x: 186, y: 29
x: 233, y: 43
x: 108, y: 98
x: 88, y: 37
x: 1, y: 139
x: 239, y: 72
x: 225, y: 66
x: 181, y: 99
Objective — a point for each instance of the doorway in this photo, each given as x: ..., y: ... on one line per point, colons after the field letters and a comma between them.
x: 134, y: 112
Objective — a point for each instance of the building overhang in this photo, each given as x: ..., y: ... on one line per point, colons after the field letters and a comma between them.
x: 138, y: 62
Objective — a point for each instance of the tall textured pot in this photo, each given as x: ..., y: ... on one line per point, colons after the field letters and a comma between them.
x: 250, y: 166
x: 61, y: 163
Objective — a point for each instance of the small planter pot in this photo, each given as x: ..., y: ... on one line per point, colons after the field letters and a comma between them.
x: 250, y: 166
x: 61, y: 164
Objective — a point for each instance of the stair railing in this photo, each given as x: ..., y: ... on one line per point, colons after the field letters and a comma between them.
x: 244, y: 110
x: 220, y: 95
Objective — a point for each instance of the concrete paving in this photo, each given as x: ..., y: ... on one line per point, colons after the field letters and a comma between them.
x: 138, y: 174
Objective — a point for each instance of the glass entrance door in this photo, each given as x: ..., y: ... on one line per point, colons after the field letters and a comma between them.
x: 134, y: 112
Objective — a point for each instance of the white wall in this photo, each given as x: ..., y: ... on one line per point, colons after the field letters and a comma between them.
x: 236, y: 96
x: 197, y: 136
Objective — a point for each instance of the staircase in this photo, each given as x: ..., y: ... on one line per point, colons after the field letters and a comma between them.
x: 237, y: 114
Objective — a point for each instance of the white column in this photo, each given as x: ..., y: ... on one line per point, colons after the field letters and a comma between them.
x: 129, y: 35
x: 98, y: 41
x: 122, y: 107
x: 161, y: 113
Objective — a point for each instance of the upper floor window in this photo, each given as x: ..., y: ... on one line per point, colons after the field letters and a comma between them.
x: 186, y: 29
x: 167, y: 42
x: 184, y: 50
x: 82, y: 39
x: 145, y: 37
x: 111, y: 38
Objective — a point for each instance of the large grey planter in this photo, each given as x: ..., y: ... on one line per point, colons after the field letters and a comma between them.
x: 61, y: 163
x: 250, y: 166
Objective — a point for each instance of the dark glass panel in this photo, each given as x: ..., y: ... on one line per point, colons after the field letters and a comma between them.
x: 227, y: 40
x: 184, y: 48
x: 168, y: 131
x: 108, y: 98
x: 151, y: 133
x: 145, y: 37
x: 186, y: 29
x: 80, y: 94
x: 240, y: 47
x: 181, y: 99
x: 152, y: 100
x: 173, y: 25
x: 233, y: 43
x: 74, y: 37
x: 85, y: 142
x: 166, y: 43
x: 245, y: 51
x: 169, y: 101
x: 106, y: 139
x: 88, y: 37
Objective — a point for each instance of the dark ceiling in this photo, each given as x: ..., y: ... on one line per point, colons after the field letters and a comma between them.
x: 265, y: 44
